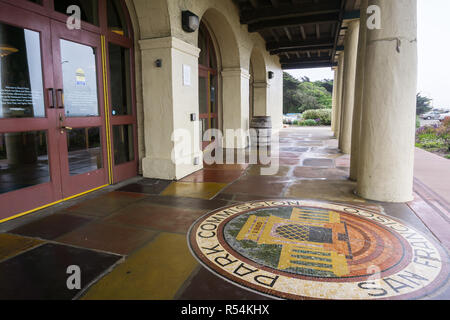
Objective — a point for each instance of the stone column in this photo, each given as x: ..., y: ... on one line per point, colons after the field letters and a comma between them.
x: 348, y: 94
x: 388, y: 122
x: 333, y: 108
x: 340, y: 87
x: 170, y: 96
x: 235, y: 89
x: 359, y: 89
x: 261, y: 98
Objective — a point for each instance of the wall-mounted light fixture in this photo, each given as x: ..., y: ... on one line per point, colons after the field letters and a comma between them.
x: 190, y: 21
x: 271, y: 74
x: 158, y: 63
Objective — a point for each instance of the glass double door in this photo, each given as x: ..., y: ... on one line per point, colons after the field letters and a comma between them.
x: 53, y: 137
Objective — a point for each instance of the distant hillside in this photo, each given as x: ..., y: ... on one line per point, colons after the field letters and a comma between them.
x: 302, y: 95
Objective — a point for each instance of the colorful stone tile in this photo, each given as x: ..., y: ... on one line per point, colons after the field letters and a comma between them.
x: 11, y: 245
x: 323, y: 190
x: 51, y: 227
x: 283, y: 171
x: 207, y: 286
x: 309, y: 144
x: 106, y: 204
x: 239, y: 167
x: 288, y: 162
x: 41, y: 273
x: 147, y: 186
x: 320, y: 173
x: 263, y: 186
x: 343, y: 161
x: 294, y: 149
x: 189, y: 203
x: 206, y: 190
x: 218, y: 176
x: 159, y: 218
x: 323, y: 163
x: 289, y: 155
x: 155, y: 272
x: 106, y: 237
x: 244, y: 197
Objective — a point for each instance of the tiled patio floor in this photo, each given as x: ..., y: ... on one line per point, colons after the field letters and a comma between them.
x: 131, y: 242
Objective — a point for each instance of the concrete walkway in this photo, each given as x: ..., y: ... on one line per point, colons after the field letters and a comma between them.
x: 433, y: 171
x: 130, y: 241
x: 432, y: 193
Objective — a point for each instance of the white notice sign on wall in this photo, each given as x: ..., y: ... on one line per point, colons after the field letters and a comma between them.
x: 186, y: 75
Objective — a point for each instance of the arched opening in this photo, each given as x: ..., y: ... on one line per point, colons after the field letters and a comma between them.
x: 259, y: 86
x: 74, y: 129
x: 208, y: 83
x: 233, y: 80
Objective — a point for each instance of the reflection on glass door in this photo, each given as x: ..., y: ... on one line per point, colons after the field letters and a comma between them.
x: 82, y: 129
x: 123, y: 121
x: 21, y: 73
x: 23, y: 155
x: 23, y: 160
x: 79, y: 72
x: 29, y: 160
x: 84, y: 148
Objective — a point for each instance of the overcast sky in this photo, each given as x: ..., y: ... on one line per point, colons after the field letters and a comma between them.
x: 434, y: 53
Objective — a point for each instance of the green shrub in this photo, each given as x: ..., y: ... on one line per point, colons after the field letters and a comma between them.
x: 322, y: 116
x: 417, y: 122
x: 309, y: 123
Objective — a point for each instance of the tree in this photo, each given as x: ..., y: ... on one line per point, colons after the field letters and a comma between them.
x: 327, y: 84
x: 302, y: 95
x: 423, y: 104
x: 291, y: 98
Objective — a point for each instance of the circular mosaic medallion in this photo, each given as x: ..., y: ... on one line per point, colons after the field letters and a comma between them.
x: 305, y: 249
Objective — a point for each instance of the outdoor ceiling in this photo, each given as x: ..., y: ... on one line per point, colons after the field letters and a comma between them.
x: 303, y: 33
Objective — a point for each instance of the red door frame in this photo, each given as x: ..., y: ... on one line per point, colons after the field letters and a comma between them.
x: 38, y: 195
x: 72, y: 185
x: 42, y: 18
x: 127, y: 170
x: 205, y: 71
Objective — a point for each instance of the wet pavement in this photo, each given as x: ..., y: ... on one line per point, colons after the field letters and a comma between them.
x: 131, y: 241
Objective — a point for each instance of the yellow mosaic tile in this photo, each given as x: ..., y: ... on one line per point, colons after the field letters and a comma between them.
x: 11, y: 245
x: 155, y: 272
x: 205, y: 190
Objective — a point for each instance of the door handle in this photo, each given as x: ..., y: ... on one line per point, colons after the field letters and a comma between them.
x: 51, y: 98
x: 65, y: 128
x: 60, y: 98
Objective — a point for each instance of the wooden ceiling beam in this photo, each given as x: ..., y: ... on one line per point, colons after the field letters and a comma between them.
x: 310, y: 44
x: 305, y: 61
x: 292, y: 66
x: 288, y: 34
x: 261, y: 14
x: 302, y: 32
x: 338, y: 28
x: 254, y: 3
x: 291, y: 22
x: 304, y: 50
x: 275, y: 3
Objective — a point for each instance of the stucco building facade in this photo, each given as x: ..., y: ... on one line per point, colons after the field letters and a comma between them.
x: 94, y: 93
